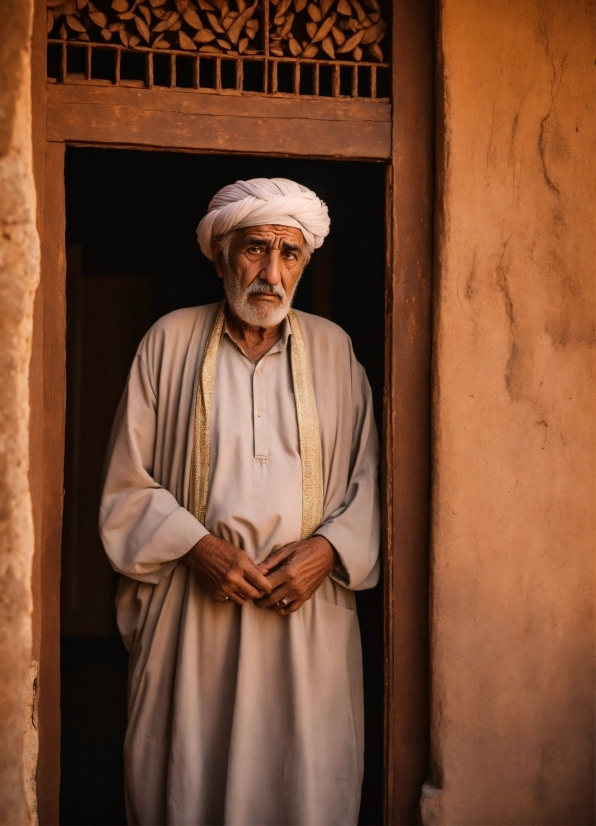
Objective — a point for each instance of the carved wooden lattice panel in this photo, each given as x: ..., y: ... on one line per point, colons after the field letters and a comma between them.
x: 330, y: 48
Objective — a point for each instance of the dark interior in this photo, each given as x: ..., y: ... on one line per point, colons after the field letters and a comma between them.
x: 132, y: 256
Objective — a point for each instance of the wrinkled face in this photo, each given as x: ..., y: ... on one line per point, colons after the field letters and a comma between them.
x: 261, y: 267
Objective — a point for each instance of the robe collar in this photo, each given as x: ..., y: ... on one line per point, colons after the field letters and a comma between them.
x: 306, y: 412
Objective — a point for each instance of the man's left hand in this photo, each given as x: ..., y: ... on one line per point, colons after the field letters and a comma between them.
x: 295, y: 571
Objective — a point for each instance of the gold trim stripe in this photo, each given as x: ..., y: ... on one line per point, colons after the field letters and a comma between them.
x: 199, y: 472
x: 308, y: 432
x: 308, y: 427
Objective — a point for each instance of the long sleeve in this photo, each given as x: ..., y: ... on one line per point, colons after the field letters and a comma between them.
x: 353, y: 527
x: 144, y: 528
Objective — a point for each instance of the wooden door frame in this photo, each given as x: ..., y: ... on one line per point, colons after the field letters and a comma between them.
x: 405, y: 141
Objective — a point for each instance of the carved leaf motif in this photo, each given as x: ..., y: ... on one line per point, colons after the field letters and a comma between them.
x: 360, y: 13
x: 376, y: 52
x: 287, y: 26
x: 142, y: 28
x: 74, y: 23
x: 324, y: 30
x: 252, y: 27
x: 204, y: 36
x: 240, y: 22
x: 165, y: 24
x: 68, y: 7
x: 227, y: 21
x: 371, y: 34
x: 192, y: 18
x: 186, y: 42
x: 98, y: 18
x: 338, y: 36
x: 352, y: 42
x: 328, y: 47
x: 146, y: 14
x: 214, y: 22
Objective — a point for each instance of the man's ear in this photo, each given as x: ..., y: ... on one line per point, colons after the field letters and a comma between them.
x: 217, y: 253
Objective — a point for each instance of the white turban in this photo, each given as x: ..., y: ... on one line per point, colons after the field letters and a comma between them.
x: 265, y: 201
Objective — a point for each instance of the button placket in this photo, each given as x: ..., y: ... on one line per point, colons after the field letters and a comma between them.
x: 259, y: 388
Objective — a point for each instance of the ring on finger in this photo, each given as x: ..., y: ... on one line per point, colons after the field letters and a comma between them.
x: 283, y: 602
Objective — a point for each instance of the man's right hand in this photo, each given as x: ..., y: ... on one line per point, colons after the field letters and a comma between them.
x: 226, y: 570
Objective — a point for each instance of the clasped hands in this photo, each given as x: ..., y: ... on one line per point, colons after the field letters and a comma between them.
x: 291, y: 573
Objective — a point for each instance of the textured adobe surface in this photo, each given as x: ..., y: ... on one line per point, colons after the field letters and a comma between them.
x: 513, y: 511
x: 19, y: 270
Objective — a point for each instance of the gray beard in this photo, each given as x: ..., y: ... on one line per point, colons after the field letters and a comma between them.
x: 261, y: 315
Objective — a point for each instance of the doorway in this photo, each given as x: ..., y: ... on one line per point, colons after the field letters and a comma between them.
x: 132, y: 256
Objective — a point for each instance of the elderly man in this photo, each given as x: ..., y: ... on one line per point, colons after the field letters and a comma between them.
x: 240, y: 506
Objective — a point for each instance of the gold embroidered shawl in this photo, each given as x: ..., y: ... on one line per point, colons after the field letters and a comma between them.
x: 308, y: 427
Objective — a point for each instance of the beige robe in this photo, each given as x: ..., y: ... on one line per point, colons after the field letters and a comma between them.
x: 237, y: 715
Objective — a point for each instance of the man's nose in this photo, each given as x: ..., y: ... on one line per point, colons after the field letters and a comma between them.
x: 271, y: 270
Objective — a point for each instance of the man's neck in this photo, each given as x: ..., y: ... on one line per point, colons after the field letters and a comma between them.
x: 255, y: 341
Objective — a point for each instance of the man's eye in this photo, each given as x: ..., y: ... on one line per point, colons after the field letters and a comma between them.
x: 255, y: 250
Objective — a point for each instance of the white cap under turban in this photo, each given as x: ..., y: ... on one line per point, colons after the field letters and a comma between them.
x: 265, y: 201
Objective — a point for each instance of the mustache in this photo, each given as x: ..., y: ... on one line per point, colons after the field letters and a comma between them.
x: 263, y: 287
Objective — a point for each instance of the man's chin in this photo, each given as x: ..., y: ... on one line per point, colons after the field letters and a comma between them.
x: 261, y: 316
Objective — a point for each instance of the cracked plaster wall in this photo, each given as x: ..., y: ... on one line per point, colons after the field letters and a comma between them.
x: 19, y: 272
x: 513, y: 498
